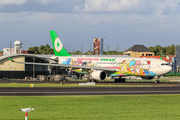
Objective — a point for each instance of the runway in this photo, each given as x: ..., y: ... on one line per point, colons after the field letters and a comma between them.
x: 99, y: 83
x: 88, y: 91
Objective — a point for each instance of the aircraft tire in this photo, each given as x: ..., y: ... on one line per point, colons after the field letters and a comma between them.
x: 123, y: 80
x: 115, y: 80
x: 119, y: 80
x: 157, y: 81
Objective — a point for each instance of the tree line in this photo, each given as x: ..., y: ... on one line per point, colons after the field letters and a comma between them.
x: 158, y: 50
x: 163, y: 51
x: 111, y: 52
x: 43, y: 49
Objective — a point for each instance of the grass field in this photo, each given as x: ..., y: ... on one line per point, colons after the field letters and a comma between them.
x: 130, y: 107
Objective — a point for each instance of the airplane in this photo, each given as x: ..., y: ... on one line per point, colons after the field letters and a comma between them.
x: 98, y: 67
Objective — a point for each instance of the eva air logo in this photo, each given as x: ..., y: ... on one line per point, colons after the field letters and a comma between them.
x: 58, y: 45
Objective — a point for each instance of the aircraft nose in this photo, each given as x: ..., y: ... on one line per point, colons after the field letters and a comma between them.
x: 169, y: 68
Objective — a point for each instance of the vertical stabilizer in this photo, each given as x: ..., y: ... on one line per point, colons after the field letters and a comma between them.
x: 59, y: 49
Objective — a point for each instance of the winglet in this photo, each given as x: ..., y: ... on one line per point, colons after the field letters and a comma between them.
x: 11, y: 59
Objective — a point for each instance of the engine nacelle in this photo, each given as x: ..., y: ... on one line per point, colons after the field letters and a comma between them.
x: 98, y: 75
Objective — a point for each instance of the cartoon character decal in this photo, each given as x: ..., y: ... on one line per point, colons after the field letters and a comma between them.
x: 69, y: 61
x: 135, y: 67
x: 123, y: 65
x: 131, y: 66
x: 146, y: 66
x: 80, y: 61
x: 126, y: 67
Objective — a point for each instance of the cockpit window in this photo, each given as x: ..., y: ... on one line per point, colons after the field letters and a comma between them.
x: 164, y: 64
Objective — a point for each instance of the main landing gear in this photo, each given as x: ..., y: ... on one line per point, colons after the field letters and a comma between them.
x: 119, y: 80
x: 92, y: 80
x: 157, y: 81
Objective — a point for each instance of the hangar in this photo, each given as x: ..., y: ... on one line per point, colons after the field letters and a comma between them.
x: 9, y: 69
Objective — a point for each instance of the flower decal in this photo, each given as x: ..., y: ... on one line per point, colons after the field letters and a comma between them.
x: 58, y: 45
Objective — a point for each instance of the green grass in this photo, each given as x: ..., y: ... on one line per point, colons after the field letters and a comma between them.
x: 131, y: 107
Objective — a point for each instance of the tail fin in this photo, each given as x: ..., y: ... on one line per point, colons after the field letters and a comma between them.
x: 59, y: 49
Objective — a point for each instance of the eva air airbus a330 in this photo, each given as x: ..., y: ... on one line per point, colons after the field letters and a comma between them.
x: 100, y: 67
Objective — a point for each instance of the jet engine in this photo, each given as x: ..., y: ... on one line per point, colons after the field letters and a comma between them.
x: 98, y: 75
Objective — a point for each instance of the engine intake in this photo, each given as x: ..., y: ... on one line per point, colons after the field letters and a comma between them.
x: 98, y: 75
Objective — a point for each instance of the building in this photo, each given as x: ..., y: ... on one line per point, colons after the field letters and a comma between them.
x: 9, y: 69
x: 176, y: 60
x: 27, y: 52
x: 138, y: 50
x: 170, y: 57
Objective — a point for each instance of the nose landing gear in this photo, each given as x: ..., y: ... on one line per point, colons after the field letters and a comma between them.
x: 92, y: 80
x: 157, y: 81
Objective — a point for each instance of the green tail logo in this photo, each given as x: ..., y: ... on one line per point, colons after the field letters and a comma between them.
x: 59, y: 49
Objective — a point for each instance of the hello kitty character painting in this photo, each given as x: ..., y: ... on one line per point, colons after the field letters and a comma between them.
x: 146, y: 66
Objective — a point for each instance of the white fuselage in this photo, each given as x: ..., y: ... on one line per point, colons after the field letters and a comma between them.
x: 124, y: 65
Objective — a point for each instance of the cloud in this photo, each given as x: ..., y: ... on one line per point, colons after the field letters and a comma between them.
x: 106, y: 5
x: 46, y: 2
x: 130, y: 6
x: 50, y: 6
x: 12, y: 2
x: 135, y: 21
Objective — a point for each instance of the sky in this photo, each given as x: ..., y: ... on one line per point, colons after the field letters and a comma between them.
x: 77, y: 22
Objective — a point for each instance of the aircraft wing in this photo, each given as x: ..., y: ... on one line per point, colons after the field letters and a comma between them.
x: 72, y: 66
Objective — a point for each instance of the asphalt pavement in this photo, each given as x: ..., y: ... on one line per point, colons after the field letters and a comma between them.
x: 35, y: 91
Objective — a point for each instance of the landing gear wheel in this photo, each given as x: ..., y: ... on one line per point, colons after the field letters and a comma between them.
x: 119, y: 80
x: 157, y: 81
x: 96, y: 81
x: 116, y: 80
x: 123, y: 80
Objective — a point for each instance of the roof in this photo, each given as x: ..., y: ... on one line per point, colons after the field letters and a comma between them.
x: 170, y: 55
x: 158, y: 57
x: 138, y: 48
x: 27, y: 52
x: 43, y: 57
